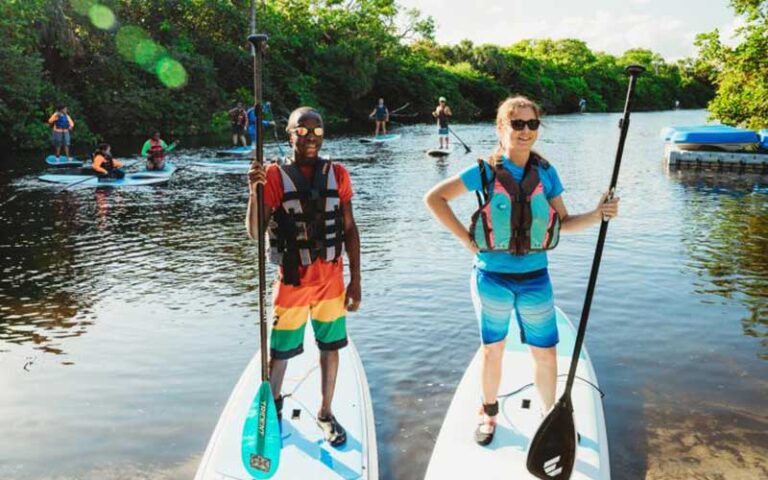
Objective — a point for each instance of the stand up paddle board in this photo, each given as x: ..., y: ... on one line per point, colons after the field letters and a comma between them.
x: 456, y: 455
x: 390, y: 137
x: 440, y: 152
x: 145, y: 177
x: 62, y: 161
x: 231, y: 166
x: 237, y: 151
x: 305, y: 453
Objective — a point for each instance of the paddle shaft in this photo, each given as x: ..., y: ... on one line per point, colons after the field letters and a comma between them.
x: 460, y: 140
x: 258, y: 42
x: 634, y: 71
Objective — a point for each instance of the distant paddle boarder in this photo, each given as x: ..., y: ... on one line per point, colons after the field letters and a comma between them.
x: 239, y: 118
x: 510, y: 273
x: 267, y: 122
x: 62, y: 125
x: 442, y: 113
x: 582, y: 105
x: 381, y: 114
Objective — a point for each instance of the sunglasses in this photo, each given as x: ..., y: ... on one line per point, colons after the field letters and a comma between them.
x: 518, y: 125
x: 304, y: 131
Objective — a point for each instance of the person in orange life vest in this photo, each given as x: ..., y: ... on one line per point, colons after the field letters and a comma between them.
x: 308, y: 207
x: 62, y: 125
x: 510, y: 273
x: 104, y: 165
x: 154, y: 150
x: 239, y: 118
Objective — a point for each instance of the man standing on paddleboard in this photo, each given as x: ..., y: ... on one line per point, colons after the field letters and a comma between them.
x: 442, y: 113
x: 308, y: 207
x: 510, y: 272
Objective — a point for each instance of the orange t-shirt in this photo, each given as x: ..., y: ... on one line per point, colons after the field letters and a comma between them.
x: 319, y: 271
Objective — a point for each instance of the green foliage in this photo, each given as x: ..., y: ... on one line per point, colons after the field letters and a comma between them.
x: 740, y: 73
x: 179, y: 65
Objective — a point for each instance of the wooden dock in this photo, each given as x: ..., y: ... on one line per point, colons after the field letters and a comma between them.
x: 717, y: 161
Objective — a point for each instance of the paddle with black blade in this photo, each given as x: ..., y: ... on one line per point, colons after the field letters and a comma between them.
x: 552, y: 453
x: 460, y: 140
x: 261, y: 440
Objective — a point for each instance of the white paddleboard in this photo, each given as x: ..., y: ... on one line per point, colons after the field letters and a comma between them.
x: 305, y: 453
x: 456, y: 455
x: 440, y: 152
x: 389, y: 137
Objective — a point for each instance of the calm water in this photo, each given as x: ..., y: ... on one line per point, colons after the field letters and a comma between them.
x: 127, y: 316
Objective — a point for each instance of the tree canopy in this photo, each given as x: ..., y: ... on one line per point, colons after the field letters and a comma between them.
x: 127, y: 67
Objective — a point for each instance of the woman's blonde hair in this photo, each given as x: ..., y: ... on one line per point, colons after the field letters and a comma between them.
x: 504, y: 113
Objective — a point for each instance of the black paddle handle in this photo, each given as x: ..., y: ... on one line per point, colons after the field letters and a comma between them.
x: 258, y: 41
x: 634, y: 71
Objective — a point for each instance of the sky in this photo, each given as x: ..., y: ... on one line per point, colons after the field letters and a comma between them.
x: 614, y: 26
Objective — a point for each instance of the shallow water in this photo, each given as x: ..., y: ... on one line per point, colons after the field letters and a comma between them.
x: 126, y: 316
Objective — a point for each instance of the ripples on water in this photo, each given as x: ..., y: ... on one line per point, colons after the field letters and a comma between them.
x: 126, y: 316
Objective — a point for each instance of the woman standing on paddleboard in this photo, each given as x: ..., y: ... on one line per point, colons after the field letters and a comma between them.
x: 509, y: 238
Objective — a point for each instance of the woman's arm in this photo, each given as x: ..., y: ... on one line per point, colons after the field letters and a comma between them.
x: 437, y: 201
x: 576, y: 223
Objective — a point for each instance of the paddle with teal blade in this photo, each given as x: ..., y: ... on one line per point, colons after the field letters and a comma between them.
x: 552, y: 451
x: 261, y: 440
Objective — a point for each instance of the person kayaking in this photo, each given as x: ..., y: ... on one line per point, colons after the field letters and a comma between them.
x: 442, y: 113
x: 62, y: 125
x: 239, y: 118
x: 154, y: 151
x: 510, y: 267
x: 381, y: 114
x: 104, y: 165
x: 308, y: 207
x: 267, y: 122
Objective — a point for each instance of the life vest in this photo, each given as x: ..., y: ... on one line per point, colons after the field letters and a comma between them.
x: 240, y: 118
x: 108, y: 164
x: 515, y: 217
x: 62, y: 122
x: 309, y: 223
x: 442, y: 119
x: 156, y: 151
x: 381, y: 112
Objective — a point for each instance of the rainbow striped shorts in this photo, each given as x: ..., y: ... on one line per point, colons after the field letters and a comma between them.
x: 293, y: 306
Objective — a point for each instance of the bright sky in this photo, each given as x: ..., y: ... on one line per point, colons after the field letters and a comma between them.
x: 664, y: 26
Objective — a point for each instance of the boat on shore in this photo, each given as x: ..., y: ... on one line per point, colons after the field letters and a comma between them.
x: 717, y: 147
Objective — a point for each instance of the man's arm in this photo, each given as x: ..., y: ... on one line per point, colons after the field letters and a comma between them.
x: 352, y: 245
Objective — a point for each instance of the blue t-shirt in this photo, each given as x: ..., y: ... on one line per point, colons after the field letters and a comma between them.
x: 506, y: 262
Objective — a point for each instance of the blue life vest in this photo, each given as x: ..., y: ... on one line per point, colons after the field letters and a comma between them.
x: 381, y: 112
x: 62, y: 122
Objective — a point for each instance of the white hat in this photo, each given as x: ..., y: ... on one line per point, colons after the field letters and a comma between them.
x: 441, y: 99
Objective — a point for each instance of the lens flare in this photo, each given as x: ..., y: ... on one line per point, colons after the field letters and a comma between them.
x: 171, y: 73
x: 102, y: 17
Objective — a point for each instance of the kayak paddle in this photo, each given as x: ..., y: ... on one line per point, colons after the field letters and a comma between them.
x: 261, y: 439
x: 552, y: 452
x: 460, y: 140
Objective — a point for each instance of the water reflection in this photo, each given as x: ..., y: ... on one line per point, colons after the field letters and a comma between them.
x: 725, y: 224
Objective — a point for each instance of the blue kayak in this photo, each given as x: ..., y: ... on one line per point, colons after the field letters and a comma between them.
x: 62, y: 161
x: 716, y: 137
x: 137, y: 179
x: 764, y: 138
x: 668, y: 132
x: 231, y: 166
x: 236, y: 151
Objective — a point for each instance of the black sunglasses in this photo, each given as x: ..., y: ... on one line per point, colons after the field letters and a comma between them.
x: 518, y: 125
x: 304, y: 131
